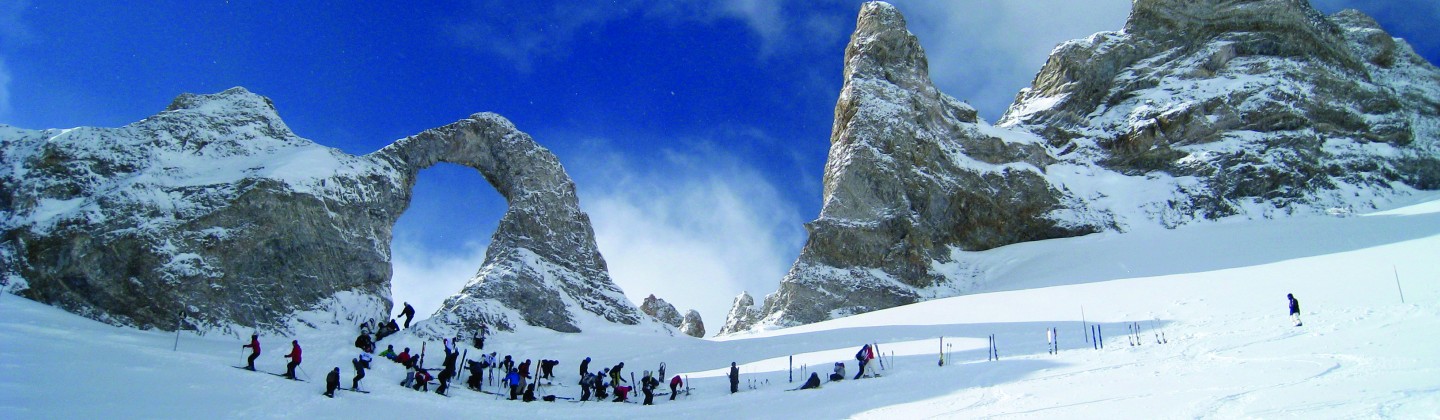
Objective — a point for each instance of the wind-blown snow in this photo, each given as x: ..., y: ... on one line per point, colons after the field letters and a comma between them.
x: 1215, y: 291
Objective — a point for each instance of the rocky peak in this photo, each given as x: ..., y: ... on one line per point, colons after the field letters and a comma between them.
x: 1289, y: 28
x: 214, y: 209
x: 912, y: 175
x: 661, y: 310
x: 692, y: 325
x: 236, y: 115
x: 743, y: 314
x: 882, y: 48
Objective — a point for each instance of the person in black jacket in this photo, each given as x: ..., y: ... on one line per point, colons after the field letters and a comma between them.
x: 361, y: 363
x: 647, y: 386
x: 477, y: 373
x: 813, y: 383
x: 332, y: 382
x: 584, y: 367
x: 1294, y: 309
x: 734, y: 378
x: 408, y: 313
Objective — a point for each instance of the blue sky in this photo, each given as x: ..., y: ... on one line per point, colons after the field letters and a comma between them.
x: 696, y: 131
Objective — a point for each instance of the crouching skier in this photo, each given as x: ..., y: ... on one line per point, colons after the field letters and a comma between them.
x: 675, y: 387
x: 477, y: 374
x: 332, y: 382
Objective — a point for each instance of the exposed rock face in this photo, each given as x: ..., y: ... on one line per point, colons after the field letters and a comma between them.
x: 1263, y: 102
x: 212, y: 208
x: 542, y: 267
x: 1198, y: 110
x: 743, y: 314
x: 215, y: 209
x: 662, y: 311
x: 692, y: 325
x: 912, y: 173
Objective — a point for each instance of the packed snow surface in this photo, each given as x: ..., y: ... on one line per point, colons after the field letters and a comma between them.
x: 1214, y: 292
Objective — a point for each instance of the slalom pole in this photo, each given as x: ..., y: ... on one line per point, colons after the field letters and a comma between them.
x: 1084, y: 324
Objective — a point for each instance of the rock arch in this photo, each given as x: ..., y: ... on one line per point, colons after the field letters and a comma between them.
x: 542, y: 259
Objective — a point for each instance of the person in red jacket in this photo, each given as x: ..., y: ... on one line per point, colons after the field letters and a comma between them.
x: 254, y: 344
x: 294, y: 357
x: 674, y: 387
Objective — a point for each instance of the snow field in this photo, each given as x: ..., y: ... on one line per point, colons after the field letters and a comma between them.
x: 1216, y: 291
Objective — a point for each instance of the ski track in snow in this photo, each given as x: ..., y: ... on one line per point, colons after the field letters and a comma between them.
x: 1232, y: 352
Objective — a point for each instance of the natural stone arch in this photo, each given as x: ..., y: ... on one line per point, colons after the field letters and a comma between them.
x: 542, y: 259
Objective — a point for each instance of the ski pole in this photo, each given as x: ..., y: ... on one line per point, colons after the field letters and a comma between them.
x: 302, y: 370
x: 178, y: 315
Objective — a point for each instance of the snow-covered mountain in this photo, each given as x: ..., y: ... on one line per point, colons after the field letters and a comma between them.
x: 1215, y: 292
x: 215, y: 212
x: 1196, y: 111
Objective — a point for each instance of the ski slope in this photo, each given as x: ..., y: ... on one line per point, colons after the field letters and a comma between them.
x: 1215, y: 291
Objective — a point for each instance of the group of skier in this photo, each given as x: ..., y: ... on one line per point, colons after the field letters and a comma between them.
x: 517, y: 378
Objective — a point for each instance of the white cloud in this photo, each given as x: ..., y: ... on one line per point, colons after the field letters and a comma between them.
x: 425, y: 278
x: 984, y: 52
x: 694, y: 229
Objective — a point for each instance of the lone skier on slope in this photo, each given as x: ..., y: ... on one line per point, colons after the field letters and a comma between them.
x: 408, y: 313
x: 332, y: 382
x: 361, y: 363
x: 1294, y: 309
x: 734, y: 378
x: 254, y: 344
x: 294, y: 357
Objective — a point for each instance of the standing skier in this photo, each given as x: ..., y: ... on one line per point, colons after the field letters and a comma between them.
x: 254, y: 344
x: 734, y: 378
x: 647, y: 386
x: 361, y: 363
x: 584, y: 367
x: 513, y: 380
x: 408, y: 313
x: 1294, y: 309
x: 294, y: 357
x: 332, y: 382
x: 864, y: 356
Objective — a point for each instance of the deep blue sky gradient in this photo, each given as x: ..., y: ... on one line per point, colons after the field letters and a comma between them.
x: 618, y: 90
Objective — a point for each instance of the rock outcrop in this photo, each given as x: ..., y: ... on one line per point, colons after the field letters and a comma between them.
x: 215, y: 210
x: 692, y: 325
x: 662, y: 311
x: 912, y: 173
x: 542, y: 267
x: 743, y: 314
x: 1198, y: 110
x: 665, y: 313
x: 1266, y: 103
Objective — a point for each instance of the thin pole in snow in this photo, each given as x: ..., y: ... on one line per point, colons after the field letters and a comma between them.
x: 1084, y: 324
x: 178, y: 315
x: 792, y: 368
x: 1397, y: 283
